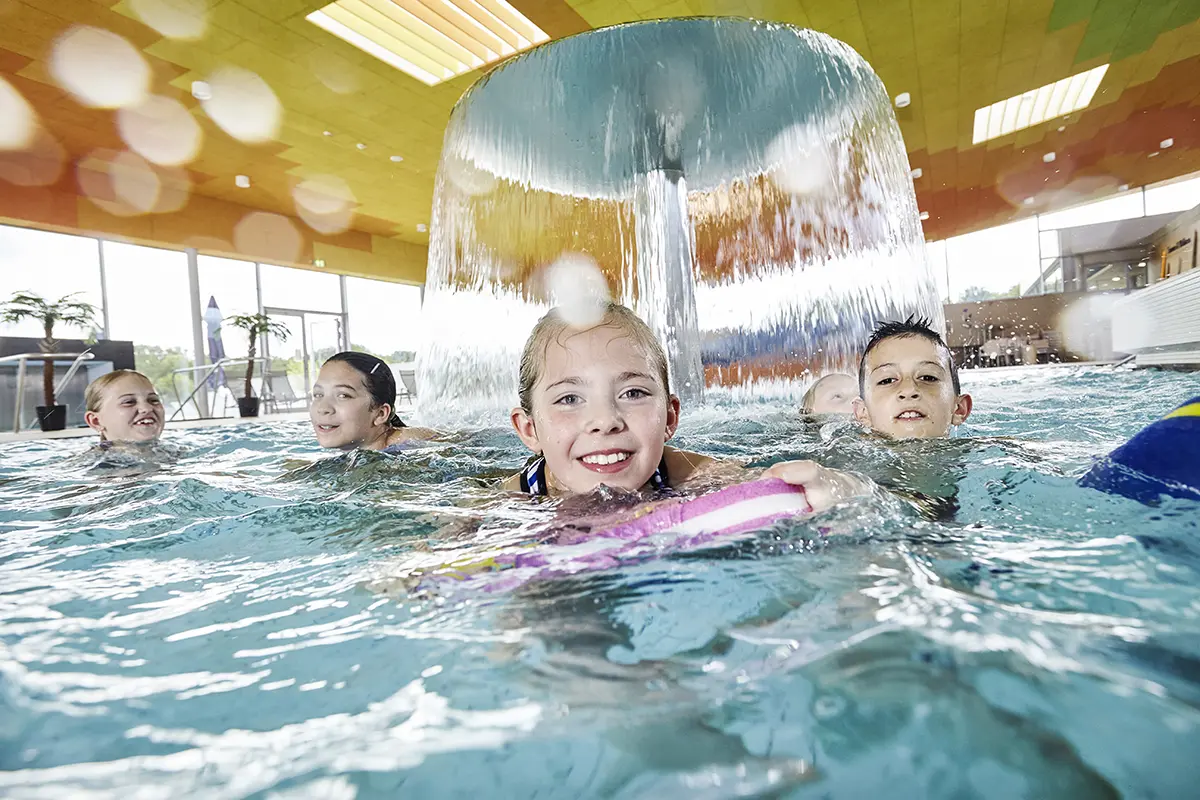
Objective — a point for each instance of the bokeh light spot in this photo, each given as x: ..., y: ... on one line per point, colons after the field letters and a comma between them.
x: 243, y: 105
x: 175, y: 19
x: 17, y: 120
x: 269, y: 237
x: 99, y: 68
x: 575, y: 284
x: 161, y: 130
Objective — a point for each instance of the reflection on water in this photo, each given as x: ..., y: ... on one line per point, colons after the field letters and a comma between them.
x: 235, y: 622
x: 742, y: 185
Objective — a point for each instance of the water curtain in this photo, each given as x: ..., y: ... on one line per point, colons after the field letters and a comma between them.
x: 742, y: 185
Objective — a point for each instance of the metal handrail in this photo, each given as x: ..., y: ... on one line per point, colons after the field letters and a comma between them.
x: 210, y: 370
x: 21, y: 358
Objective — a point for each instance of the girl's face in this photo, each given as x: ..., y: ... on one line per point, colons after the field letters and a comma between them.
x: 341, y: 411
x: 600, y: 413
x: 130, y: 411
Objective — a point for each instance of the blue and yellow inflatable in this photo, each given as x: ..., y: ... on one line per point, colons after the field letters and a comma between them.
x: 1163, y: 458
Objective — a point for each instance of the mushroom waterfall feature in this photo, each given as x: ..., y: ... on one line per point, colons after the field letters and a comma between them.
x: 743, y: 186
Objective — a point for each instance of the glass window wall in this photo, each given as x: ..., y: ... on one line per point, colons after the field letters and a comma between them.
x: 50, y: 265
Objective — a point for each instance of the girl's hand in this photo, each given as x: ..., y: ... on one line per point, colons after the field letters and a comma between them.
x: 824, y: 487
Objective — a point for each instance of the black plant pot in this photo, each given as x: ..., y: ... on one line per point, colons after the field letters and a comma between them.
x: 52, y: 418
x: 248, y: 406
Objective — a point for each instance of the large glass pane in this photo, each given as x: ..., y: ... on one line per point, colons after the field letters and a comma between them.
x: 1124, y: 206
x: 149, y: 304
x: 284, y: 287
x: 51, y: 265
x: 992, y: 263
x: 1173, y: 197
x: 385, y: 318
x: 227, y: 287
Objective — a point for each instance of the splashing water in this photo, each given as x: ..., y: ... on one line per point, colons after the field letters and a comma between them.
x: 742, y: 185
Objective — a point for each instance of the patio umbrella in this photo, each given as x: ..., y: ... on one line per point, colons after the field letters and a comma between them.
x: 216, y: 348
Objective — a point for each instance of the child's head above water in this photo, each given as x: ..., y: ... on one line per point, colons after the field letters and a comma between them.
x: 832, y: 394
x: 908, y: 383
x: 596, y: 401
x: 353, y: 402
x: 123, y: 406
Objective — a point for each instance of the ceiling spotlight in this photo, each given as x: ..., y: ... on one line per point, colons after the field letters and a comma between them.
x: 1124, y: 187
x: 242, y: 181
x: 1152, y: 155
x: 1062, y: 128
x: 903, y: 100
x: 201, y: 90
x: 1028, y: 201
x: 916, y: 172
x: 361, y: 146
x: 397, y: 159
x: 327, y: 133
x: 421, y: 227
x: 1165, y: 143
x: 924, y: 215
x: 1049, y: 157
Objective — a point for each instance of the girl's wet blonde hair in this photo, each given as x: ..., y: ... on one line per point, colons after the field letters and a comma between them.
x: 93, y: 396
x: 551, y: 328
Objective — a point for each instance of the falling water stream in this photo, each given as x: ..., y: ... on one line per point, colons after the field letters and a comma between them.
x: 742, y: 185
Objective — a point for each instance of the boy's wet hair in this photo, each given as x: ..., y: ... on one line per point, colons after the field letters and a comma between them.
x: 895, y: 329
x: 552, y: 326
x: 376, y: 376
x: 93, y: 396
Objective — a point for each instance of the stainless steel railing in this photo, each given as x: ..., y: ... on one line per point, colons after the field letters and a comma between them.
x: 21, y: 358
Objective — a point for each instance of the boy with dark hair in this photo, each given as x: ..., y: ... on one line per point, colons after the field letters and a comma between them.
x: 908, y: 383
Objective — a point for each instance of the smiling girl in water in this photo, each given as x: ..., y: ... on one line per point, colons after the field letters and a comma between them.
x: 123, y: 406
x: 353, y: 406
x: 596, y: 408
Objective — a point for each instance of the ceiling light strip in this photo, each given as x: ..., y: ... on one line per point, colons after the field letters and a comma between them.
x: 443, y: 26
x: 491, y: 22
x: 471, y: 26
x: 431, y: 38
x: 513, y: 19
x: 1037, y: 105
x: 382, y: 29
x: 323, y: 20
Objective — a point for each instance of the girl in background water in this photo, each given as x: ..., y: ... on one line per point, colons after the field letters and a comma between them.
x: 354, y: 406
x: 123, y: 406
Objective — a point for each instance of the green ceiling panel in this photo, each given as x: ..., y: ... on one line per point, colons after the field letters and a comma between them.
x: 1106, y: 28
x: 1148, y: 22
x: 1186, y: 12
x: 1069, y: 12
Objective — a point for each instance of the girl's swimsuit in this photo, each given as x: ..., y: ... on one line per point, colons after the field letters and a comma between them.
x: 533, y: 476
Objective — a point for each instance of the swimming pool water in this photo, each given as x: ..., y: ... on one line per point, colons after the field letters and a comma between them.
x: 239, y: 622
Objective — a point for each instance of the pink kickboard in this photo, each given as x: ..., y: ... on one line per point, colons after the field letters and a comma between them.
x: 671, y: 526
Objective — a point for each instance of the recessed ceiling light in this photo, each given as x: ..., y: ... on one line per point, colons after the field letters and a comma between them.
x: 1037, y: 105
x: 431, y: 40
x: 1028, y: 201
x: 1124, y: 187
x: 397, y: 159
x: 924, y: 215
x: 903, y: 100
x: 242, y: 181
x: 361, y: 146
x: 1049, y: 157
x: 327, y: 133
x: 1152, y: 155
x: 201, y: 90
x: 916, y: 172
x: 1165, y: 143
x: 1062, y: 128
x: 421, y: 227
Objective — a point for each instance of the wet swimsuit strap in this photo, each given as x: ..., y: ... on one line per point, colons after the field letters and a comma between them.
x: 533, y: 476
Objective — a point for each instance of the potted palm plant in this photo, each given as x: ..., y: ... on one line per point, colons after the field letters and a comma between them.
x: 255, y: 325
x: 67, y: 310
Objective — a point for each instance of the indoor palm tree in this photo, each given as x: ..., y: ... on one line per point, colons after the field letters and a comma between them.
x: 67, y: 310
x: 255, y: 325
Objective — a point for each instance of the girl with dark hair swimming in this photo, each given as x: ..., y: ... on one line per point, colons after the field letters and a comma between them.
x: 353, y: 406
